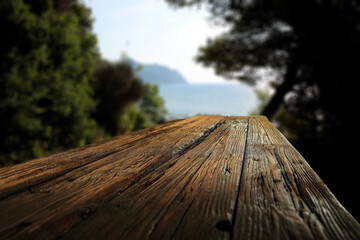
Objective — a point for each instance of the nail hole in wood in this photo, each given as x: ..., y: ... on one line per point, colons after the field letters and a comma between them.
x: 228, y: 170
x: 24, y: 225
x: 223, y: 225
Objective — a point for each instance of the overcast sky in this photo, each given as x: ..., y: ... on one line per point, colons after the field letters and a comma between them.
x: 149, y: 31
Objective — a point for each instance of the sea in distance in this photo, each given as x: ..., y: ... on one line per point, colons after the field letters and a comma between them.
x: 227, y: 99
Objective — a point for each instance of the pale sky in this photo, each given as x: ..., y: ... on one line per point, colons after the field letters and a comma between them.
x: 149, y: 31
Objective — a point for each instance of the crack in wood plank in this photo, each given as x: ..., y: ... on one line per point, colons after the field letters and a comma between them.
x: 239, y: 184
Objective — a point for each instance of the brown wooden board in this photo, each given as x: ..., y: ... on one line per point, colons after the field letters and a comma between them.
x: 205, y: 177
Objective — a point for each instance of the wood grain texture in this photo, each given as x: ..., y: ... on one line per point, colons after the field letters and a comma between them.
x: 205, y: 177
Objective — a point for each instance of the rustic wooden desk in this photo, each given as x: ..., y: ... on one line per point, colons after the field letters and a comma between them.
x: 205, y: 177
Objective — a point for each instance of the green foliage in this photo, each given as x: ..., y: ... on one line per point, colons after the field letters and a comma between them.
x: 153, y: 105
x: 133, y: 119
x: 149, y: 111
x: 46, y: 62
x: 116, y: 89
x: 51, y: 98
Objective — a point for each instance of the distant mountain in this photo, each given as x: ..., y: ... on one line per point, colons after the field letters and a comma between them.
x: 157, y: 74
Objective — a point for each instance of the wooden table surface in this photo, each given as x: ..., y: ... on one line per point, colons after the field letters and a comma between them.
x: 205, y: 177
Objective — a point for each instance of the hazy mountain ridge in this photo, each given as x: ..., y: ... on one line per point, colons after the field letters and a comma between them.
x: 157, y: 74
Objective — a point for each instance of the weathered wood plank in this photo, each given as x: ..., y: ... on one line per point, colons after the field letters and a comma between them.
x: 206, y: 177
x: 14, y: 179
x: 281, y: 196
x: 84, y: 188
x: 211, y: 194
x: 165, y: 188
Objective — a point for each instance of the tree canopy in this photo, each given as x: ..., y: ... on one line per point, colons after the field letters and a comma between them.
x: 309, y: 44
x: 46, y: 62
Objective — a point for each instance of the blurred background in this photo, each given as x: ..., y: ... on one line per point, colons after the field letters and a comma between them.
x: 75, y: 72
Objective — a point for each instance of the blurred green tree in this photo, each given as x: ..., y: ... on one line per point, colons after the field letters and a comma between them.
x: 312, y: 48
x: 46, y: 62
x: 116, y: 89
x: 153, y: 105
